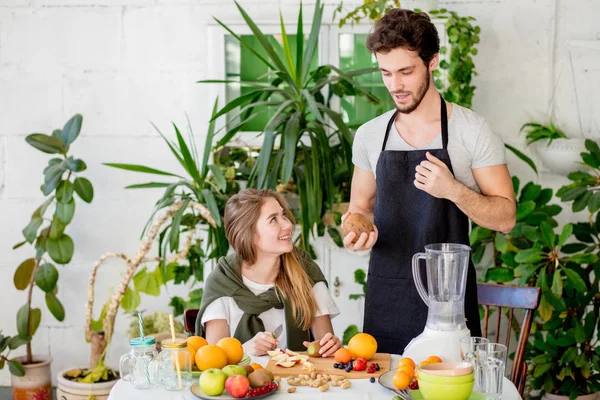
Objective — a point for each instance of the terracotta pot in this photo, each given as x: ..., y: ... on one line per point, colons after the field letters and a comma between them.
x: 70, y: 390
x: 549, y: 396
x: 37, y: 382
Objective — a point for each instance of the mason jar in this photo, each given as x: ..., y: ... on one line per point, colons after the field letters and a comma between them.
x: 174, y: 365
x: 135, y: 367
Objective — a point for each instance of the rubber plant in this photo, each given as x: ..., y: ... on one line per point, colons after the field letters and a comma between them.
x: 313, y: 139
x: 62, y: 181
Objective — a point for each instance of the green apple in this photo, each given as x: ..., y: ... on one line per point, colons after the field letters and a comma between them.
x: 234, y: 370
x: 212, y: 381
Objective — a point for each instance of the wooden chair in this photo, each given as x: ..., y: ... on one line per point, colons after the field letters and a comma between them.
x: 189, y: 318
x: 511, y: 297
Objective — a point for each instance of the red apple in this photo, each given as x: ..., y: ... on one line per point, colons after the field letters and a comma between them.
x: 237, y: 386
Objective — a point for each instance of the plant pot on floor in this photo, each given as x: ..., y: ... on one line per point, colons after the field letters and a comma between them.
x: 36, y: 383
x: 562, y: 156
x: 549, y: 396
x: 71, y: 390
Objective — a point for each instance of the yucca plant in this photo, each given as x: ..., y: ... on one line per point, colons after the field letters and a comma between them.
x: 314, y: 141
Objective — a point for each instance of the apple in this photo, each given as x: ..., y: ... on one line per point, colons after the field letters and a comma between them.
x: 237, y: 386
x: 231, y: 370
x: 212, y: 381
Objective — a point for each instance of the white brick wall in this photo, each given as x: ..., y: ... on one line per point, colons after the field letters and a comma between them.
x: 124, y: 63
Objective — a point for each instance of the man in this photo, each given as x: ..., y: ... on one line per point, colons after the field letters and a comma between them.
x: 421, y: 172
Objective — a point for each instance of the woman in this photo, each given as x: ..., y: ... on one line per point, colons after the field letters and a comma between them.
x: 266, y: 282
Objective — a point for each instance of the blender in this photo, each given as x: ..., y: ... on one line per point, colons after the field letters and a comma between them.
x: 446, y: 265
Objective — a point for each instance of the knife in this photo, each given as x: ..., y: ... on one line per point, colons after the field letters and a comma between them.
x: 277, y: 332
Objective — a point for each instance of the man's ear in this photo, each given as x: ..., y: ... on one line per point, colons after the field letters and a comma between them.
x: 434, y: 63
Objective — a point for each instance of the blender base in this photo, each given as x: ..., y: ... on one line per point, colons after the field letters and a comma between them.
x: 444, y: 344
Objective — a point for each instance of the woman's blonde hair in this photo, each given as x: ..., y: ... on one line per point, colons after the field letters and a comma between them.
x: 241, y: 215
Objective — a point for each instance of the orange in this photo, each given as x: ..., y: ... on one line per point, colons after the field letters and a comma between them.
x: 362, y: 345
x: 233, y: 348
x: 407, y: 370
x: 256, y: 366
x: 433, y: 359
x: 210, y: 356
x: 194, y: 343
x: 407, y: 361
x: 401, y: 380
x: 343, y: 355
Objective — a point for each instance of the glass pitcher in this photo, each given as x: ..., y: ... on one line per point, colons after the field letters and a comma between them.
x: 135, y: 366
x: 446, y: 265
x: 173, y: 367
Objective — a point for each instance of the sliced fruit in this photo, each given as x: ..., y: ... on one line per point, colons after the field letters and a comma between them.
x: 286, y: 364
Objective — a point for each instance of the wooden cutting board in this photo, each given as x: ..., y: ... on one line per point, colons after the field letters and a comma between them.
x: 325, y: 366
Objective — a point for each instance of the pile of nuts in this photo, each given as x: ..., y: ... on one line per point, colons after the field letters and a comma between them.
x: 316, y: 380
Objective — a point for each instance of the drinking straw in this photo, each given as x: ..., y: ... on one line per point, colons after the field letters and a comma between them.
x: 177, y: 355
x: 142, y: 336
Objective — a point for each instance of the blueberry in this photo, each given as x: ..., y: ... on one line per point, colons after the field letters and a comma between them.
x: 376, y: 367
x: 372, y: 380
x: 349, y: 368
x: 335, y: 365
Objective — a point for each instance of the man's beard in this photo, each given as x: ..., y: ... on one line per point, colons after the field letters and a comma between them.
x: 417, y: 98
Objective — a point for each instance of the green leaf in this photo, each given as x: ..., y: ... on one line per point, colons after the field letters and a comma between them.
x: 131, y: 300
x: 175, y: 224
x: 568, y: 355
x: 579, y: 332
x: 211, y: 203
x: 545, y: 309
x: 84, y: 189
x: 286, y: 49
x: 219, y: 177
x: 530, y: 191
x: 501, y: 274
x: 500, y: 242
x: 55, y: 306
x: 573, y: 247
x: 46, y: 277
x: 594, y: 203
x: 16, y: 368
x: 565, y: 234
x: 71, y: 129
x: 209, y: 139
x: 349, y: 333
x: 61, y: 249
x: 18, y: 341
x: 53, y: 176
x: 16, y: 246
x: 290, y: 139
x: 41, y: 210
x: 23, y: 274
x: 573, y: 193
x: 188, y: 160
x: 575, y: 280
x: 149, y: 185
x: 23, y: 320
x: 34, y: 320
x: 584, y: 258
x: 76, y: 165
x: 141, y: 168
x: 541, y: 370
x: 57, y: 228
x: 64, y: 191
x: 523, y: 157
x: 147, y: 282
x: 65, y: 211
x: 45, y: 143
x: 581, y: 202
x: 557, y: 285
x: 548, y: 234
x: 524, y: 209
x: 30, y: 231
x: 529, y: 256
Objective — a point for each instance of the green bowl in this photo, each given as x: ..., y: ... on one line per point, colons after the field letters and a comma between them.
x: 445, y: 380
x: 445, y: 391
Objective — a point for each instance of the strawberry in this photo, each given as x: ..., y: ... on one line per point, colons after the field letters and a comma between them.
x: 360, y: 364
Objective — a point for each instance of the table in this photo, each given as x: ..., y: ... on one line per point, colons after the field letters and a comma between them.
x: 361, y: 389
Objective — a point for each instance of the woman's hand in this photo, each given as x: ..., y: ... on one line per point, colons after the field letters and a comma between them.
x: 329, y: 344
x: 261, y: 343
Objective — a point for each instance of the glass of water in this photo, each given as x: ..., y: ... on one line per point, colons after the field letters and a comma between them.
x: 493, y: 370
x: 474, y: 350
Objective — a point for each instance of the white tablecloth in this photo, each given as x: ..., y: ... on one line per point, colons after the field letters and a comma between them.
x: 362, y: 389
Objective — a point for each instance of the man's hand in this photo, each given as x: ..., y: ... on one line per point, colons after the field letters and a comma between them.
x: 434, y: 177
x: 364, y: 242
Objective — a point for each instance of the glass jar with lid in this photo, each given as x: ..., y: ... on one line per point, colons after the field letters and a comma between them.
x: 135, y: 366
x: 174, y: 365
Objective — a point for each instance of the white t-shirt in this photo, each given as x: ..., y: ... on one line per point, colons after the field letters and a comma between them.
x: 226, y: 308
x: 471, y: 144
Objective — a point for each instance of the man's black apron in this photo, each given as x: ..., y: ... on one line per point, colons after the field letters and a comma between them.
x: 407, y: 219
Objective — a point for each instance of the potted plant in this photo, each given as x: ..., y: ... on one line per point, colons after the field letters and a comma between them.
x: 31, y: 373
x: 558, y: 153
